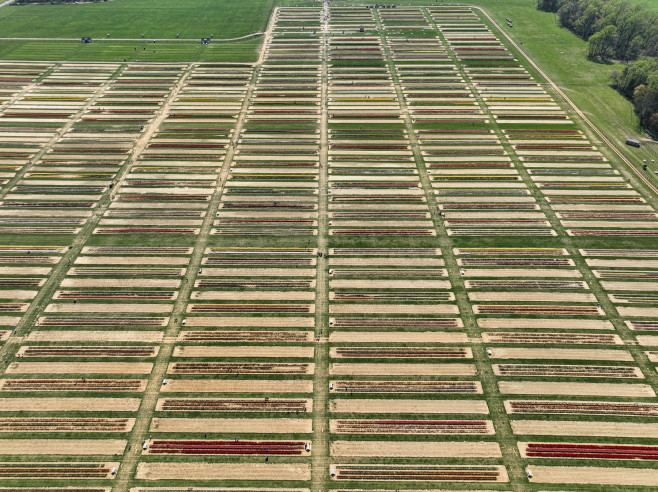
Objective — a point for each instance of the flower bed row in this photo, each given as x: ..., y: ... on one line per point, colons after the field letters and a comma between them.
x: 410, y: 352
x: 431, y: 387
x: 227, y: 447
x: 89, y: 351
x: 233, y: 405
x: 591, y: 451
x: 345, y: 322
x: 584, y: 408
x: 238, y: 368
x: 71, y: 385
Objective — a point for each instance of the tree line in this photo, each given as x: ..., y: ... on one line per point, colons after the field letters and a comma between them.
x: 619, y: 30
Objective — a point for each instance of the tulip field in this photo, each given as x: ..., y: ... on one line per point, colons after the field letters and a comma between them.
x: 387, y: 255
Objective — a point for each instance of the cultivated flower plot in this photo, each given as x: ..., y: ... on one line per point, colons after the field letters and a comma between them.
x: 387, y: 256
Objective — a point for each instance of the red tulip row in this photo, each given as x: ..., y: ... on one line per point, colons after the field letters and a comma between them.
x: 227, y: 447
x: 597, y: 451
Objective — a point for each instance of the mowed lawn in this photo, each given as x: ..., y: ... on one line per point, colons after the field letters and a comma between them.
x: 132, y: 18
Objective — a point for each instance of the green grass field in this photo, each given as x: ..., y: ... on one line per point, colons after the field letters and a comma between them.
x: 132, y: 18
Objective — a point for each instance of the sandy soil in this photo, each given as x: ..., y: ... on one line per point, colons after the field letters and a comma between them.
x: 582, y: 428
x: 250, y: 336
x: 94, y: 336
x: 521, y: 273
x: 393, y: 309
x: 402, y: 449
x: 397, y: 337
x: 648, y: 340
x: 214, y: 295
x: 393, y: 262
x: 9, y: 320
x: 89, y: 307
x: 531, y: 337
x: 69, y: 404
x: 389, y: 284
x: 62, y: 446
x: 122, y: 282
x: 355, y: 405
x: 622, y: 263
x: 131, y: 260
x: 22, y: 271
x: 79, y: 368
x: 532, y: 296
x: 259, y: 426
x: 548, y: 324
x: 565, y: 354
x: 17, y: 294
x: 258, y: 272
x: 631, y: 286
x: 264, y: 322
x: 595, y: 475
x: 575, y: 389
x: 223, y: 471
x: 349, y: 369
x: 649, y: 312
x: 237, y: 386
x: 244, y: 351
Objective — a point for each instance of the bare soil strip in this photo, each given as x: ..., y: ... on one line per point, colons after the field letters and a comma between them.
x: 548, y: 324
x: 397, y: 337
x: 401, y: 449
x: 389, y: 284
x: 62, y: 446
x: 236, y: 386
x: 264, y: 322
x: 85, y: 307
x: 163, y: 283
x: 94, y: 336
x: 245, y: 351
x: 594, y: 475
x: 354, y: 405
x: 69, y: 404
x: 223, y: 471
x: 393, y: 309
x: 80, y: 368
x: 564, y: 354
x: 349, y: 369
x: 259, y: 426
x: 576, y: 389
x: 582, y: 428
x: 253, y: 296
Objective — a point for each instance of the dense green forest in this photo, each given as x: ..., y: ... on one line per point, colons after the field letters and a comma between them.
x: 619, y: 30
